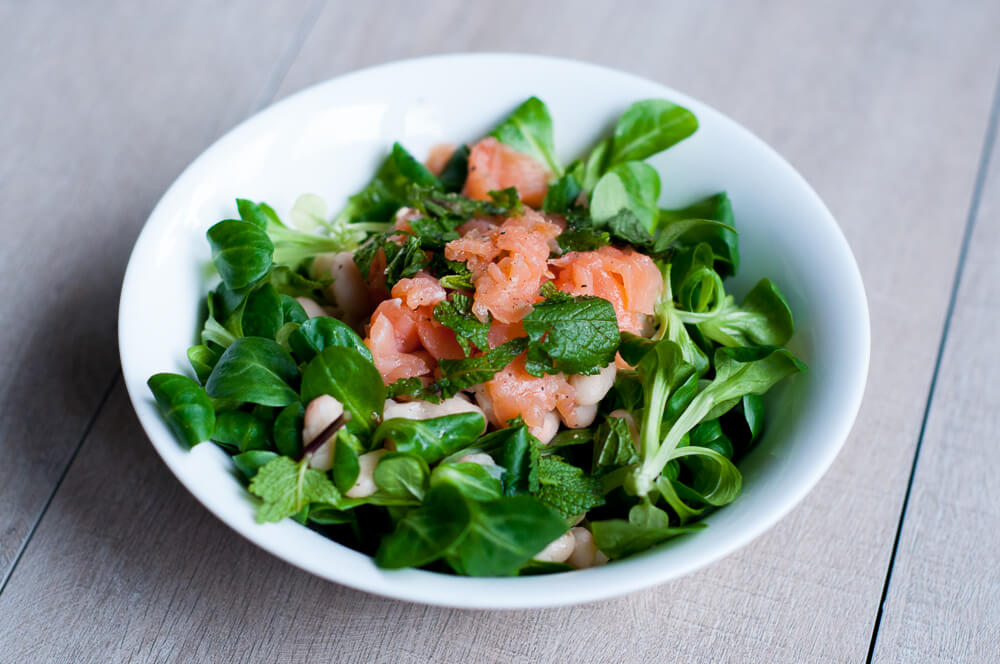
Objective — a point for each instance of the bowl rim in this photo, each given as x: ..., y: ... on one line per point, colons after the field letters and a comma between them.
x: 516, y: 592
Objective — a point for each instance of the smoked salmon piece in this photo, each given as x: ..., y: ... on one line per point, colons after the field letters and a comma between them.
x: 394, y: 341
x: 438, y: 157
x: 494, y: 166
x: 419, y: 291
x: 480, y: 224
x: 508, y: 263
x: 629, y: 280
x: 417, y: 330
x: 501, y: 333
x: 514, y: 392
x: 438, y: 340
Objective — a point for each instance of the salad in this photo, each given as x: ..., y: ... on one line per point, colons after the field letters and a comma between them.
x: 490, y: 363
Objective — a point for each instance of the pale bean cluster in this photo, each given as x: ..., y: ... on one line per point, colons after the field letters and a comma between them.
x: 589, y: 392
x: 575, y: 547
x: 324, y: 409
x: 425, y: 410
x: 321, y: 413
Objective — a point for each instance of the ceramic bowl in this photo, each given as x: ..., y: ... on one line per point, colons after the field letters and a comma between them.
x: 328, y: 140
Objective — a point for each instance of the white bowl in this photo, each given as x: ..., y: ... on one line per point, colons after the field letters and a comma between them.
x: 328, y: 140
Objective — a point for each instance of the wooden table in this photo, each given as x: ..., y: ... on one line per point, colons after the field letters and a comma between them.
x: 888, y: 108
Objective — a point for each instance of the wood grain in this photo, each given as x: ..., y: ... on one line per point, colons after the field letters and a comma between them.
x: 103, y: 104
x: 126, y: 566
x: 943, y: 603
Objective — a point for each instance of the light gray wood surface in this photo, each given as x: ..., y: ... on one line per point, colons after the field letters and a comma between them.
x: 883, y: 107
x: 945, y: 585
x: 101, y: 105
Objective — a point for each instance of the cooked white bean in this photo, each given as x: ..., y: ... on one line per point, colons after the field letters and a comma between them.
x: 486, y: 404
x: 348, y: 290
x: 412, y: 410
x: 406, y: 214
x: 580, y: 417
x: 558, y: 550
x: 311, y: 307
x: 322, y: 458
x: 365, y: 484
x: 585, y: 552
x: 320, y: 413
x: 425, y: 410
x: 548, y: 428
x: 480, y: 458
x: 591, y: 389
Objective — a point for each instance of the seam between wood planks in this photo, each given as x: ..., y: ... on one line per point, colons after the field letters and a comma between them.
x: 62, y: 476
x: 306, y: 25
x: 970, y: 222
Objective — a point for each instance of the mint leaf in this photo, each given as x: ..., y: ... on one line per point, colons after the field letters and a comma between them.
x: 566, y: 488
x: 455, y: 207
x: 402, y: 386
x: 550, y: 292
x: 457, y: 315
x: 575, y: 335
x: 583, y: 239
x: 402, y: 260
x: 509, y: 200
x: 286, y: 487
x: 462, y: 374
x: 433, y: 232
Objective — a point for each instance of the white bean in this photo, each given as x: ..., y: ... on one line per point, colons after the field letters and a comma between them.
x: 365, y: 484
x: 320, y: 413
x: 585, y: 553
x: 580, y: 417
x: 406, y: 215
x: 480, y: 458
x: 558, y: 550
x: 486, y: 404
x: 425, y: 410
x: 311, y: 307
x: 348, y: 290
x: 591, y: 389
x: 412, y: 410
x: 546, y: 431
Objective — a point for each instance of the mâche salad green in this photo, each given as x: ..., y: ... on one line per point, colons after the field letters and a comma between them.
x: 491, y: 363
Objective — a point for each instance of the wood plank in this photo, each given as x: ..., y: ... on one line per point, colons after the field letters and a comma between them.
x: 126, y: 565
x: 104, y: 103
x: 943, y: 603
